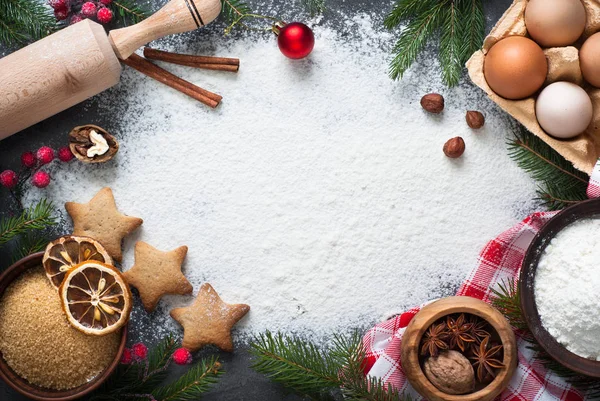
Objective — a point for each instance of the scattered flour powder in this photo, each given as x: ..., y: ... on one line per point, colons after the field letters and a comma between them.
x: 317, y: 192
x: 566, y: 288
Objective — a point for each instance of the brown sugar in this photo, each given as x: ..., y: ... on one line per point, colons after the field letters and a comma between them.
x: 38, y: 343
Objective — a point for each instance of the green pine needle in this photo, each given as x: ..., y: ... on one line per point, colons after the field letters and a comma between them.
x: 128, y: 12
x: 460, y: 23
x: 233, y: 9
x: 316, y: 373
x: 22, y: 21
x: 35, y: 218
x: 560, y: 184
x: 314, y: 7
x: 28, y: 244
x: 189, y: 387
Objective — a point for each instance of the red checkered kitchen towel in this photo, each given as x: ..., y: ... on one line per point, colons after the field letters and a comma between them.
x: 501, y: 259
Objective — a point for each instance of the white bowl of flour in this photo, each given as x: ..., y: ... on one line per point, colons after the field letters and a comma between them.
x: 560, y: 287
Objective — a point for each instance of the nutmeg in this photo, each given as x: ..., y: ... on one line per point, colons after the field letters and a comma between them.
x: 433, y: 103
x: 475, y: 119
x: 454, y: 148
x: 451, y: 372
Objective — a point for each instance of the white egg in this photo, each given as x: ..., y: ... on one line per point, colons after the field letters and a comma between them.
x: 564, y: 110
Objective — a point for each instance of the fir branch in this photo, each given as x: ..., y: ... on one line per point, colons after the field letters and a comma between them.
x: 129, y: 12
x: 560, y: 183
x: 309, y: 371
x: 24, y: 20
x: 314, y: 7
x: 295, y: 363
x: 37, y: 217
x: 231, y: 10
x: 29, y: 244
x: 193, y: 384
x: 414, y: 37
x: 461, y: 24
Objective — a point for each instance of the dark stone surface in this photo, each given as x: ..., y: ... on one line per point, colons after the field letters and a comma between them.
x: 240, y: 382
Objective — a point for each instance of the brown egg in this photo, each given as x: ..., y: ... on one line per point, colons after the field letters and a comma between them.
x: 589, y: 59
x: 515, y: 67
x: 555, y: 23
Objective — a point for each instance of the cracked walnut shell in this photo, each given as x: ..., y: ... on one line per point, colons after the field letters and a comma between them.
x: 92, y: 144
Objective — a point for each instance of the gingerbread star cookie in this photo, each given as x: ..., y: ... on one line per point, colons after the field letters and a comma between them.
x: 208, y: 320
x: 100, y: 219
x: 156, y: 273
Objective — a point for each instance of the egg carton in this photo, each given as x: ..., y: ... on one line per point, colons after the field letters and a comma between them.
x: 563, y: 65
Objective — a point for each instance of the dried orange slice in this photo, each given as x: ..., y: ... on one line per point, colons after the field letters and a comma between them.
x: 95, y: 298
x: 65, y: 252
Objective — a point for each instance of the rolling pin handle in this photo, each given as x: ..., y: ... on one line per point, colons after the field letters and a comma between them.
x: 175, y: 17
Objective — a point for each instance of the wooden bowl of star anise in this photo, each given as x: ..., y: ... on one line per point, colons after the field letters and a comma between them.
x: 459, y: 349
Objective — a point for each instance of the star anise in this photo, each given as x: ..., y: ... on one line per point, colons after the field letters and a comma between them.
x: 478, y: 328
x: 434, y: 340
x: 484, y: 361
x: 459, y: 331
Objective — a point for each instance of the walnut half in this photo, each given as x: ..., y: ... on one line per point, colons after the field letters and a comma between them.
x: 92, y: 144
x: 451, y: 372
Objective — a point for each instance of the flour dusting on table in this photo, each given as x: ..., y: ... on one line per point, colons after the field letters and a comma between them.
x: 318, y: 192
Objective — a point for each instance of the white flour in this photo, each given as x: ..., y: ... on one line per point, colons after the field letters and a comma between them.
x: 318, y: 192
x: 566, y: 288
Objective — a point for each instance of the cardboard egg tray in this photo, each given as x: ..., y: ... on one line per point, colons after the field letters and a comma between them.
x: 563, y: 65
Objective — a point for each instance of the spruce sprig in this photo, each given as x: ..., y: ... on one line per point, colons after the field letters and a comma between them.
x: 314, y: 7
x: 36, y: 217
x: 460, y: 24
x: 193, y: 384
x: 507, y: 299
x: 22, y: 21
x: 560, y: 184
x: 129, y: 12
x: 28, y: 244
x: 318, y: 373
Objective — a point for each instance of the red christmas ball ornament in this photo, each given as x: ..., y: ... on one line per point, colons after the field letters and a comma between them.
x: 28, y: 159
x: 8, y: 179
x: 182, y: 356
x: 140, y: 351
x: 65, y: 154
x: 127, y: 357
x: 104, y: 15
x: 88, y: 9
x: 41, y: 179
x: 295, y: 40
x: 45, y: 154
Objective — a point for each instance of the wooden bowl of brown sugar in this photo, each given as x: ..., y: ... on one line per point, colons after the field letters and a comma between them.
x: 82, y: 353
x: 411, y: 349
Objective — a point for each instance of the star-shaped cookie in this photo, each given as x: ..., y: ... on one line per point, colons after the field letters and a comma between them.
x: 156, y: 273
x: 100, y: 219
x: 208, y: 320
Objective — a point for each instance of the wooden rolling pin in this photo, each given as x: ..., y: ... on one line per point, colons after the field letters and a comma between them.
x: 80, y: 61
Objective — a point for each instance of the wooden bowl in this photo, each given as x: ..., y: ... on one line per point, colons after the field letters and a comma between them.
x: 557, y: 351
x: 438, y: 309
x: 23, y: 386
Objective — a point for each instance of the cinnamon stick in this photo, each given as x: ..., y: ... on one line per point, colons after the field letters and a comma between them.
x: 153, y: 71
x: 206, y: 62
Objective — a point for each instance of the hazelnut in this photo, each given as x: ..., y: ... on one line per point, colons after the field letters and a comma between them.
x: 92, y: 144
x: 454, y: 148
x: 433, y: 103
x: 475, y: 119
x: 450, y: 372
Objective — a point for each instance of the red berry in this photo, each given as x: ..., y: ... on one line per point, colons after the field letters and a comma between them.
x: 8, y: 179
x: 104, y: 15
x: 76, y: 18
x: 182, y: 356
x: 61, y: 15
x: 65, y: 154
x: 45, y: 154
x: 140, y: 351
x: 88, y: 9
x: 127, y: 357
x: 105, y: 2
x: 41, y: 179
x: 28, y: 159
x: 58, y: 4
